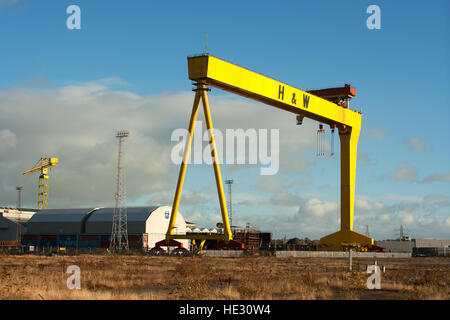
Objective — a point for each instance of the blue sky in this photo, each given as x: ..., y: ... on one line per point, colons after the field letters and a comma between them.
x: 139, y: 49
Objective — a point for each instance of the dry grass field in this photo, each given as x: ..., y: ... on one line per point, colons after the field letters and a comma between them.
x: 143, y: 277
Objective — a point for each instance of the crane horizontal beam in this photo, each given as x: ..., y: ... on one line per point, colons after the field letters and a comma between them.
x: 235, y: 79
x: 45, y: 163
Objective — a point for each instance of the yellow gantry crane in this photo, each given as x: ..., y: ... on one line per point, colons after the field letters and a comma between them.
x: 43, y: 165
x: 329, y: 106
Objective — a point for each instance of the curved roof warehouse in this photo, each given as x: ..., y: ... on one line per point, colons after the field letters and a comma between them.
x: 151, y: 220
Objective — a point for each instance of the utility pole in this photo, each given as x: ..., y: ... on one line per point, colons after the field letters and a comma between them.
x: 119, y: 234
x: 230, y: 206
x: 350, y: 262
x: 402, y: 233
x: 19, y: 209
x: 367, y: 231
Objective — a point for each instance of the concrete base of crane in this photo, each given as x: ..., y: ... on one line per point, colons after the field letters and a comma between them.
x: 338, y: 240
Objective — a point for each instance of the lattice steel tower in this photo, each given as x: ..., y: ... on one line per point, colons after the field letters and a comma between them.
x: 19, y: 209
x: 119, y: 234
x: 230, y: 211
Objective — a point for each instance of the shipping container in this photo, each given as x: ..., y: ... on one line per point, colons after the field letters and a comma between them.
x: 47, y: 243
x: 134, y: 237
x: 105, y: 237
x: 30, y: 237
x: 90, y: 237
x: 48, y: 237
x: 30, y: 243
x: 89, y: 244
x: 67, y: 237
x: 67, y: 240
x: 135, y: 244
x: 104, y: 244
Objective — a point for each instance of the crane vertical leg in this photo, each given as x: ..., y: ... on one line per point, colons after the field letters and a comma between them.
x: 219, y: 184
x: 200, y: 94
x: 334, y: 241
x: 181, y: 175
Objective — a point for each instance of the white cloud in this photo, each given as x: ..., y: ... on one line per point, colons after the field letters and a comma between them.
x: 417, y: 144
x: 364, y: 205
x: 365, y: 159
x: 77, y: 123
x: 405, y: 172
x: 4, y: 3
x: 447, y: 222
x: 437, y: 177
x: 384, y: 217
x: 403, y: 198
x: 378, y: 133
x: 405, y: 218
x: 286, y: 199
x: 320, y: 208
x: 7, y: 140
x: 269, y: 183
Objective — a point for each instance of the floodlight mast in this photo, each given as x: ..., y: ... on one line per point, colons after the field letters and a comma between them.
x: 19, y: 209
x: 119, y: 234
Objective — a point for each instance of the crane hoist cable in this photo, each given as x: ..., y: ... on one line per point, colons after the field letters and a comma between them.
x: 333, y: 127
x: 320, y: 141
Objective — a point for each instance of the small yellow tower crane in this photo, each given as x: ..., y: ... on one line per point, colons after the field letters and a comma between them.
x: 43, y: 165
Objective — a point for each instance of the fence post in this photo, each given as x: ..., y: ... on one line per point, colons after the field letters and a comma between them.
x: 350, y: 259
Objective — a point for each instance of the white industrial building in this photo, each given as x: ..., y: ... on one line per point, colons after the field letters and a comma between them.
x: 152, y: 221
x: 9, y: 229
x: 13, y: 220
x: 95, y: 224
x: 12, y: 213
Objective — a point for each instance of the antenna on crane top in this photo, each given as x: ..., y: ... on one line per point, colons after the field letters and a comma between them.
x: 206, y: 42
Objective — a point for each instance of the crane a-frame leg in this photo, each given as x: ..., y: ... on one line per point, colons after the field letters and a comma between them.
x: 349, y: 143
x: 227, y: 236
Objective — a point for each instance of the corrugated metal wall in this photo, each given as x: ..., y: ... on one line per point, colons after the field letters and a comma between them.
x: 92, y: 229
x: 8, y: 229
x: 431, y: 243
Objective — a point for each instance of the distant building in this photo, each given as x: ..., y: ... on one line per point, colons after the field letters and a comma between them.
x: 90, y: 228
x: 427, y: 247
x: 15, y: 214
x: 431, y: 243
x: 11, y: 219
x: 8, y: 231
x: 396, y: 245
